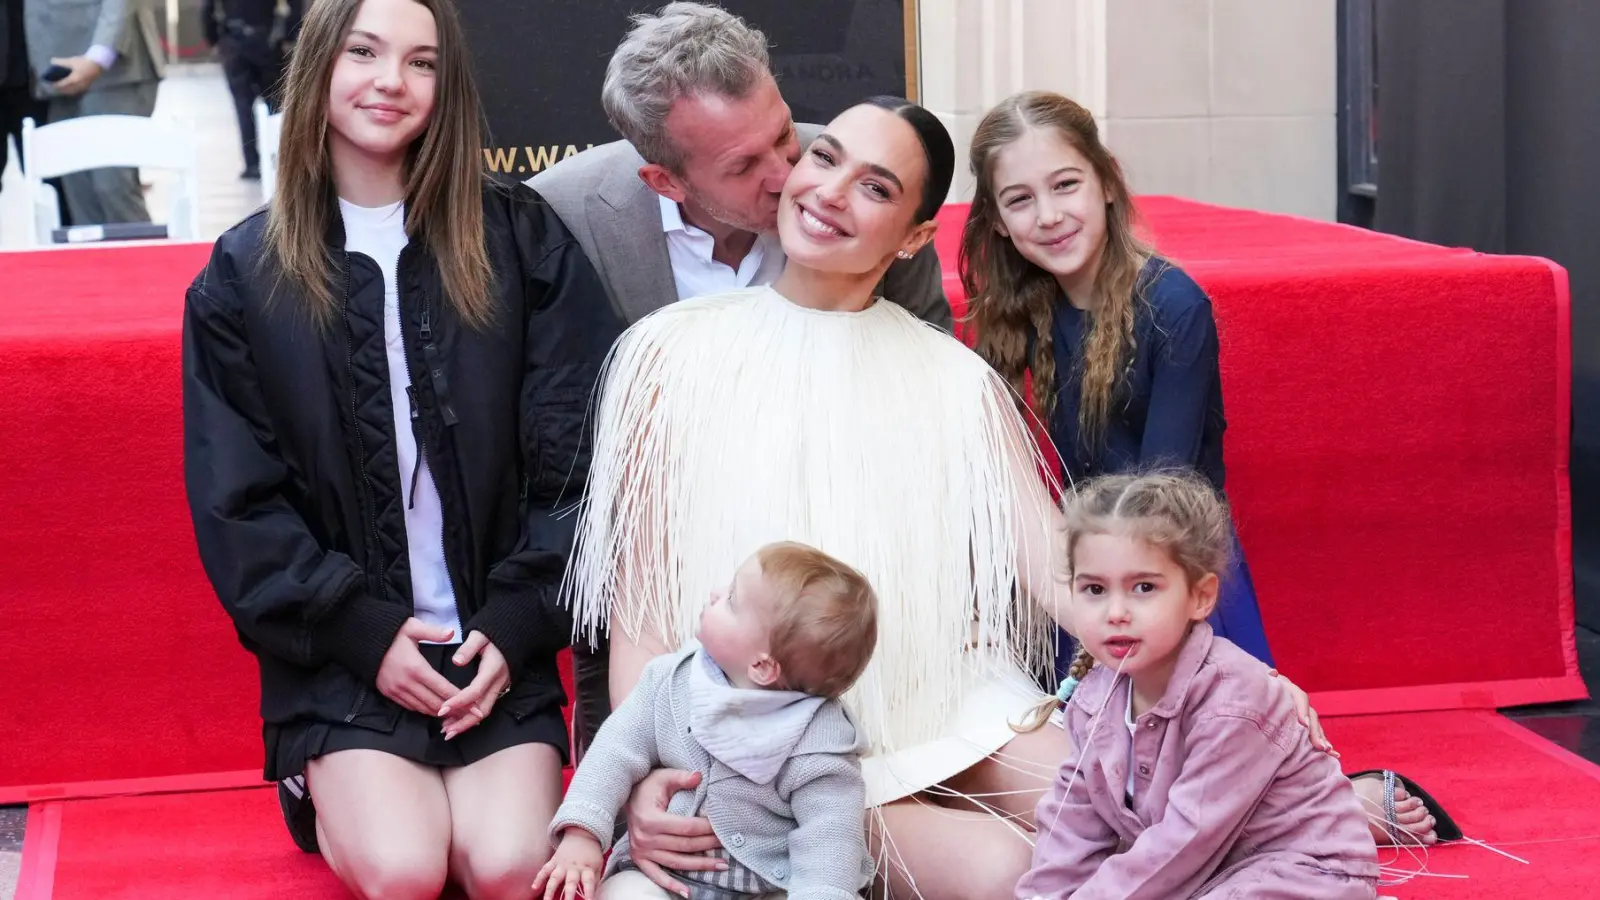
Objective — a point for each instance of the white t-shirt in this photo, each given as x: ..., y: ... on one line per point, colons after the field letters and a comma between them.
x: 380, y: 233
x: 697, y: 274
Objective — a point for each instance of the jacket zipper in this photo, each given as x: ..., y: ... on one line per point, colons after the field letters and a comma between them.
x: 426, y: 332
x: 411, y: 398
x: 355, y: 708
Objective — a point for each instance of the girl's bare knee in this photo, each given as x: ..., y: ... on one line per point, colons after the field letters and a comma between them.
x: 499, y: 870
x: 387, y: 876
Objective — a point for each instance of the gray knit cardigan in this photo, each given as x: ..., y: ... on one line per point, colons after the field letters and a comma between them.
x: 805, y: 832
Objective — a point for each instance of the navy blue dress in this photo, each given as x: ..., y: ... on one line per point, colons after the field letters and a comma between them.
x: 1166, y: 412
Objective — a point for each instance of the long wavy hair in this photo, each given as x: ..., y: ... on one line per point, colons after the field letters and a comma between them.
x: 1011, y: 300
x: 444, y: 171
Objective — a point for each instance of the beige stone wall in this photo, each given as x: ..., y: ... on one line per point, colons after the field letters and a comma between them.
x: 975, y: 53
x: 1227, y: 101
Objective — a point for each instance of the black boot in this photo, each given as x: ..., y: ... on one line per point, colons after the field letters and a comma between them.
x: 298, y: 813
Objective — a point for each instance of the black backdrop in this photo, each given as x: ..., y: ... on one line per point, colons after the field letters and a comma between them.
x: 540, y: 65
x: 1489, y: 129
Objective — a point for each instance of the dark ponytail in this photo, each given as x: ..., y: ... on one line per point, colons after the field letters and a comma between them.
x: 937, y: 147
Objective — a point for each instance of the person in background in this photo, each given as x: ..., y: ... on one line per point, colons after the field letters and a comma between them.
x: 112, y: 64
x: 251, y: 37
x: 17, y: 101
x: 1120, y: 342
x: 385, y: 379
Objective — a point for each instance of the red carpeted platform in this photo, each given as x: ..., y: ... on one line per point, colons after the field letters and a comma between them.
x: 129, y: 667
x: 1505, y: 786
x: 232, y: 843
x: 177, y: 846
x: 1397, y: 455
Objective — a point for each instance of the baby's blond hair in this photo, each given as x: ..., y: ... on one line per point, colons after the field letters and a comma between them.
x: 825, y: 620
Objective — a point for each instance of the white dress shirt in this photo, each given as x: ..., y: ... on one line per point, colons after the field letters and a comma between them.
x: 698, y: 275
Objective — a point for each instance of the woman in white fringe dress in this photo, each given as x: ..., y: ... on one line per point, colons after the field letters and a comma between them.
x: 814, y: 411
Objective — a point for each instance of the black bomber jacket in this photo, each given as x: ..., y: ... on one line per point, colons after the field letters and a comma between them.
x: 290, y: 459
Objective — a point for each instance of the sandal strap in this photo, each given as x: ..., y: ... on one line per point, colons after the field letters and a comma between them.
x: 1391, y: 823
x: 1443, y: 825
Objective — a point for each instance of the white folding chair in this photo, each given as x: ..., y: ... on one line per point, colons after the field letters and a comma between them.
x: 269, y: 126
x: 95, y: 142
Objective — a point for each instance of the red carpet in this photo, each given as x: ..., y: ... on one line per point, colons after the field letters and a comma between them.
x: 131, y: 666
x: 1505, y: 786
x: 1510, y: 789
x: 178, y: 846
x: 1397, y: 456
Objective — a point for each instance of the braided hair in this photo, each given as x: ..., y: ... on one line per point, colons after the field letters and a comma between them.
x: 1176, y: 511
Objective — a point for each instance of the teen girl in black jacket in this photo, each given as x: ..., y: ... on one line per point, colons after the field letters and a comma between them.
x: 385, y: 383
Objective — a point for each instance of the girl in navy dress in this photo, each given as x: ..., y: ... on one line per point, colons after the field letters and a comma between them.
x: 1121, y: 343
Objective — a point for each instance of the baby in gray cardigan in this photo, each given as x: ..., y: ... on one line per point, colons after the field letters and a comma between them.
x: 753, y: 707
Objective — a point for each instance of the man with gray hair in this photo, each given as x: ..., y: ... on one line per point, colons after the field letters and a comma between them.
x: 687, y: 203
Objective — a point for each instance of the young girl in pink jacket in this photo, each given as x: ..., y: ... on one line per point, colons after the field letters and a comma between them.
x: 1194, y: 777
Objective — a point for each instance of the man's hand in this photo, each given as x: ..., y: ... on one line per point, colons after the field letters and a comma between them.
x: 659, y: 840
x: 573, y: 870
x: 1308, y: 716
x: 473, y: 703
x: 84, y: 73
x: 405, y: 677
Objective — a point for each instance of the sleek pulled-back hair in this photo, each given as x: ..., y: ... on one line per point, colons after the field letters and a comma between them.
x: 683, y: 50
x: 937, y: 148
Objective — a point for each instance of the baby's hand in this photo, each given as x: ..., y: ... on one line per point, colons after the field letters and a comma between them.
x: 573, y: 870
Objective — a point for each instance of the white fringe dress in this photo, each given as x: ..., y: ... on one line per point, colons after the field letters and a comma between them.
x: 732, y: 421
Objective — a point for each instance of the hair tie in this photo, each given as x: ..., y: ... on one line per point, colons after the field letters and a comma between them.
x: 1064, y: 692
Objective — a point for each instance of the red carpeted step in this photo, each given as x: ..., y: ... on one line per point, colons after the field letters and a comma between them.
x: 1397, y: 452
x: 176, y: 846
x: 1398, y: 425
x: 143, y: 676
x: 1503, y: 785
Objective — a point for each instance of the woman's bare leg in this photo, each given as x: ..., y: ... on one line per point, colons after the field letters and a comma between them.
x: 932, y: 852
x: 501, y: 807
x: 972, y: 836
x: 630, y: 885
x: 383, y: 823
x: 1013, y: 780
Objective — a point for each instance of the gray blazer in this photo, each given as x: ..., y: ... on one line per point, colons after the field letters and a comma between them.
x: 60, y: 28
x: 616, y: 218
x: 805, y: 832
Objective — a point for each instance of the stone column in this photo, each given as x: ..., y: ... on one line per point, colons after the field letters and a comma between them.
x: 1225, y: 101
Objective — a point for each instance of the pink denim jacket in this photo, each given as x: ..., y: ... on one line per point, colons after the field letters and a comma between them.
x: 1229, y: 794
